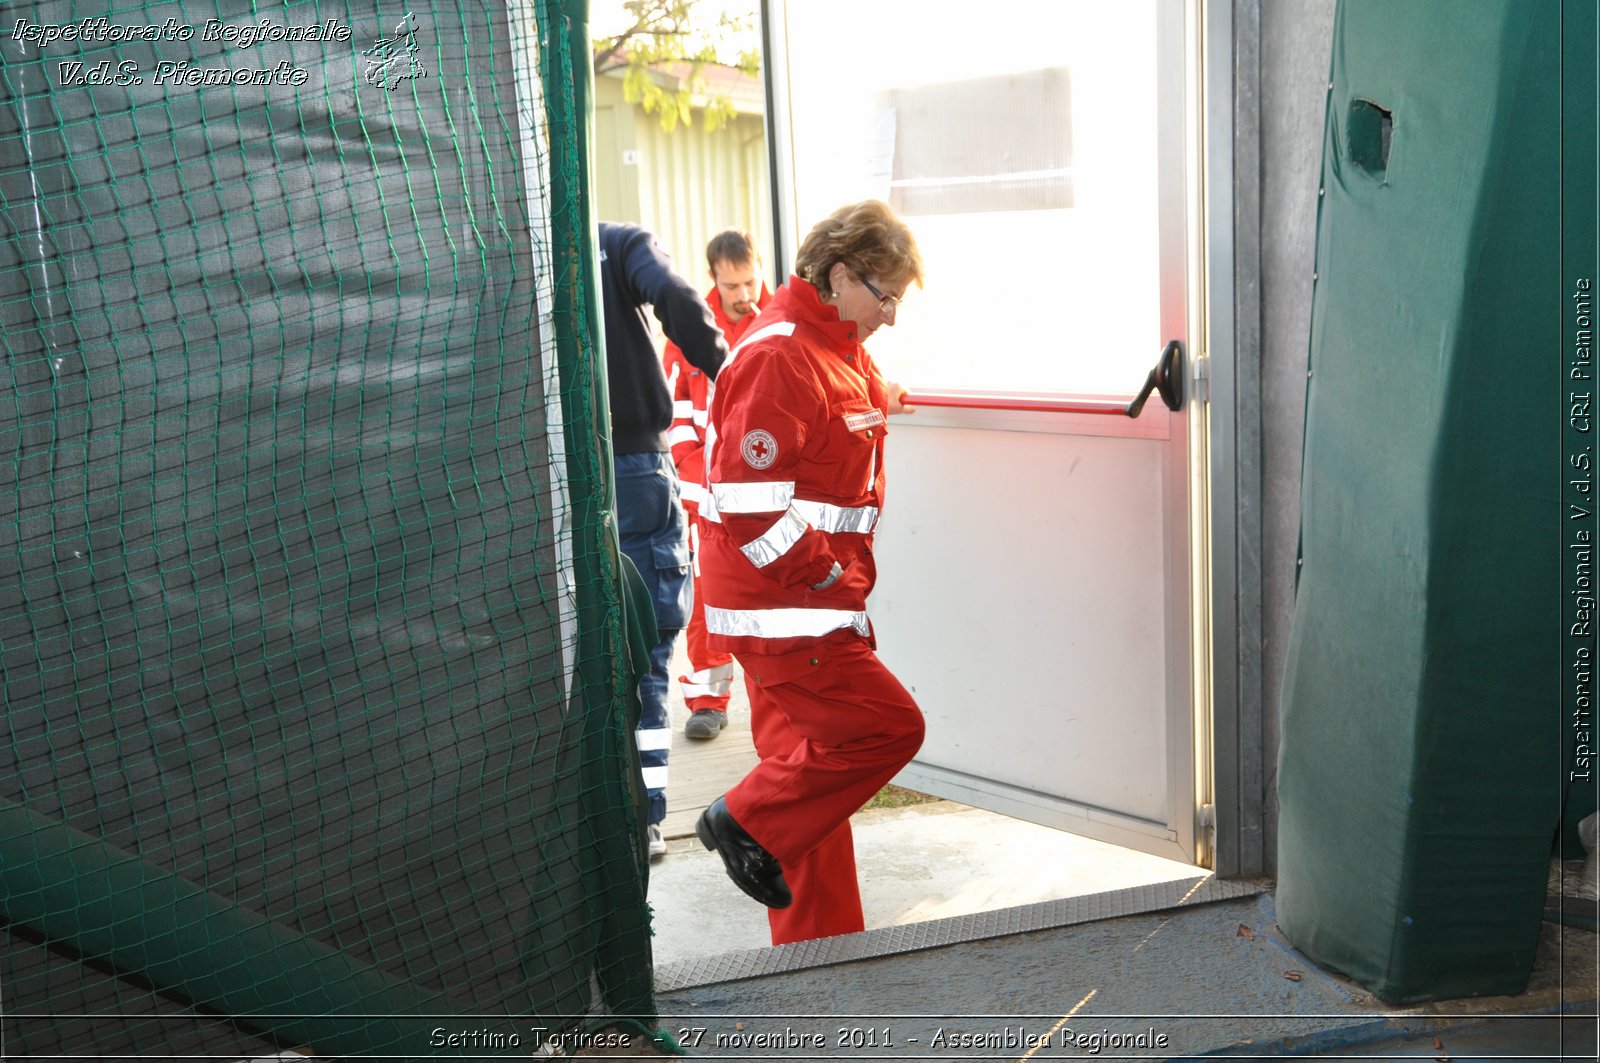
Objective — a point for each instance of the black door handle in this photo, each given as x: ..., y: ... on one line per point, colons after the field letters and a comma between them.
x: 1166, y: 378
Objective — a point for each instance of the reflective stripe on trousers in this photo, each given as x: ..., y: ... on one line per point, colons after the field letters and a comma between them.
x: 708, y: 683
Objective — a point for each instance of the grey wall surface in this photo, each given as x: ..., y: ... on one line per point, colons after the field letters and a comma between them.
x: 1296, y: 41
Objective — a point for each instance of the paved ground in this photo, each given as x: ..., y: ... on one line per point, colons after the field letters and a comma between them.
x: 1213, y: 980
x: 698, y: 772
x: 918, y: 863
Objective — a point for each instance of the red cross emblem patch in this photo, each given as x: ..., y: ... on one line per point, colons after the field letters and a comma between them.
x: 759, y: 448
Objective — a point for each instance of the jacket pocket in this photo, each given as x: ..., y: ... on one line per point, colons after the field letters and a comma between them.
x: 854, y: 431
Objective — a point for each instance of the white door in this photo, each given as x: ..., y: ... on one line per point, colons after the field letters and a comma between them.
x: 1039, y: 590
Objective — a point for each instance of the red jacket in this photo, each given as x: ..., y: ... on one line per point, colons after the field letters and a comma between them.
x: 691, y: 400
x: 795, y: 473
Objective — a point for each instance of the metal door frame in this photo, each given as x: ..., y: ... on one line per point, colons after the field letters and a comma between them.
x: 1221, y: 236
x: 1232, y: 226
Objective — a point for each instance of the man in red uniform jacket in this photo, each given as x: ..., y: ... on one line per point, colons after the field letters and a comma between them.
x: 736, y: 297
x: 796, y: 480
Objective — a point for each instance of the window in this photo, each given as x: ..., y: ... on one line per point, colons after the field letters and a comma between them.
x: 1008, y: 158
x: 1020, y: 143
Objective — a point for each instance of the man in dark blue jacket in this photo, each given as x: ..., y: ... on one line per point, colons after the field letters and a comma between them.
x: 636, y: 276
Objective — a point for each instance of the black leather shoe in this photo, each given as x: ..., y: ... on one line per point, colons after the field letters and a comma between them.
x: 751, y: 867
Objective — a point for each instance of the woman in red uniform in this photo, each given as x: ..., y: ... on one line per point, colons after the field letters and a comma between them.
x: 795, y: 473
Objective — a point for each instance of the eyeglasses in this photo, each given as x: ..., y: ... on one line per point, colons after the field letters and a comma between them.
x: 886, y: 303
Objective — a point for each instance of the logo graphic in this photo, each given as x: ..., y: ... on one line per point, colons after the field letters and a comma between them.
x: 387, y: 64
x: 759, y: 448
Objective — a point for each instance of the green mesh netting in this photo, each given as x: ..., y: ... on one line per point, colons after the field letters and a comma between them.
x: 316, y: 729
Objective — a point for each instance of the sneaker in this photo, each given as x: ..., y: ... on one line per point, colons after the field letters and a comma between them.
x: 658, y: 841
x: 705, y: 723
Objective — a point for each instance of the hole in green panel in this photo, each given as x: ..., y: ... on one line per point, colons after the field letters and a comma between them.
x: 1371, y: 128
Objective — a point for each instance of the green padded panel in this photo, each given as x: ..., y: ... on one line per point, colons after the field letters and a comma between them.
x: 1419, y: 774
x: 311, y: 643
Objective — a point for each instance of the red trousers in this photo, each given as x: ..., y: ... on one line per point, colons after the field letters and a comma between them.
x: 709, y: 683
x: 829, y: 736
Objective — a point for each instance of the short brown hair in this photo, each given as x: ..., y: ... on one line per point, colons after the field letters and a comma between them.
x: 869, y: 238
x: 733, y: 246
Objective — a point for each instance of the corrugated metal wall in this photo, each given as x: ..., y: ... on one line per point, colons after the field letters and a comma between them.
x: 1296, y: 41
x: 685, y: 186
